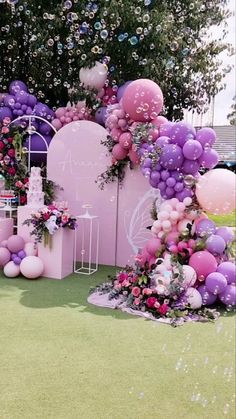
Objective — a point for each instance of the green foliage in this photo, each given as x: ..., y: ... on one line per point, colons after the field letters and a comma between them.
x: 45, y: 44
x: 232, y: 115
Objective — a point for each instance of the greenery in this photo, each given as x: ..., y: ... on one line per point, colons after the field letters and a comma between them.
x: 232, y: 115
x: 45, y: 44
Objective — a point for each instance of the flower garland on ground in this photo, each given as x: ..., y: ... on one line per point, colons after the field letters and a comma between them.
x: 48, y: 220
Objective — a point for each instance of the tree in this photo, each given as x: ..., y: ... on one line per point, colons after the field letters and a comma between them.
x: 45, y: 44
x: 232, y: 115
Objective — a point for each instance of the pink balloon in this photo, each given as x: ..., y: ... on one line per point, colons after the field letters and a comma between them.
x: 15, y: 243
x: 172, y: 238
x: 160, y: 120
x: 32, y: 267
x: 125, y: 140
x: 115, y: 133
x: 118, y: 152
x: 60, y: 112
x: 215, y: 191
x: 30, y: 249
x: 152, y: 246
x: 203, y: 263
x: 11, y: 270
x: 57, y: 123
x: 5, y: 256
x: 68, y: 120
x: 143, y: 100
x: 134, y: 157
x: 3, y: 243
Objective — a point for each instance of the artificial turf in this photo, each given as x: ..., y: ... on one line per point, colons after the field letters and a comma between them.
x: 65, y: 359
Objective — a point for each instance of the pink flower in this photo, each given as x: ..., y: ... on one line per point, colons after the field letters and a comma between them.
x: 64, y: 218
x: 12, y: 171
x: 5, y: 130
x: 147, y: 291
x: 125, y: 283
x: 122, y: 276
x: 134, y: 279
x: 157, y: 304
x: 19, y: 184
x: 117, y: 287
x: 163, y: 309
x: 136, y: 291
x: 137, y: 301
x: 6, y: 120
x: 151, y: 302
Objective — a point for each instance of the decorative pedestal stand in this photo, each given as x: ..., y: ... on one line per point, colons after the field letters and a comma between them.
x: 58, y: 260
x: 88, y: 231
x: 24, y: 212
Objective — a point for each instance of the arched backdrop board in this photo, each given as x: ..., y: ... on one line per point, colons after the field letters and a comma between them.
x: 75, y: 159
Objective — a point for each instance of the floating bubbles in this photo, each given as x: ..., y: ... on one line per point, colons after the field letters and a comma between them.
x: 174, y: 46
x: 68, y: 4
x: 133, y: 40
x: 50, y: 42
x: 104, y: 34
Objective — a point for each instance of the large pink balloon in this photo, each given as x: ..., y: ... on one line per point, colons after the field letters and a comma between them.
x: 203, y: 263
x: 11, y: 270
x: 143, y: 100
x: 32, y: 267
x: 5, y: 256
x: 215, y: 191
x: 15, y: 243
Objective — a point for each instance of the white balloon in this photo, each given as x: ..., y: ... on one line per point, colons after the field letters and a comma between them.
x: 190, y: 276
x: 11, y: 270
x: 194, y: 298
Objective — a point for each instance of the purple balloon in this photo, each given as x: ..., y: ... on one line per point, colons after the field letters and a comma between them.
x: 228, y: 296
x: 185, y: 193
x: 161, y: 186
x: 155, y: 176
x: 192, y: 150
x: 205, y: 227
x: 29, y: 111
x: 17, y: 260
x: 177, y: 175
x: 190, y: 167
x: 206, y: 136
x: 9, y: 100
x: 157, y: 167
x: 181, y: 132
x: 41, y: 110
x: 165, y: 174
x: 216, y: 283
x: 146, y: 171
x: 45, y: 129
x: 215, y: 244
x: 37, y: 144
x: 5, y: 112
x: 207, y: 297
x: 153, y: 183
x: 100, y: 116
x: 226, y: 233
x: 171, y: 157
x: 22, y: 97
x: 228, y: 269
x: 16, y: 86
x: 179, y: 186
x: 163, y: 140
x: 21, y: 254
x: 17, y: 105
x: 165, y: 129
x: 13, y: 256
x: 121, y: 90
x: 32, y: 100
x: 209, y: 158
x: 171, y: 182
x: 170, y: 192
x: 24, y: 108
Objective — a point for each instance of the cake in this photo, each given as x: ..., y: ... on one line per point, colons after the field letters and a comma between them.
x: 35, y: 194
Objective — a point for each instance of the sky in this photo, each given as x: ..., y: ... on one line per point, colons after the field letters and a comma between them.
x: 224, y: 99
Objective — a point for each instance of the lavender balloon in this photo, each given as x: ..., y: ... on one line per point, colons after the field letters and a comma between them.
x: 192, y: 150
x: 165, y: 129
x: 182, y: 132
x: 228, y: 269
x: 100, y: 115
x: 17, y: 260
x: 5, y: 112
x: 190, y: 167
x: 32, y: 100
x: 215, y: 244
x: 216, y: 283
x: 161, y: 141
x: 226, y: 233
x: 206, y: 136
x: 171, y: 157
x: 22, y: 97
x: 207, y: 297
x: 121, y: 90
x: 205, y: 227
x: 209, y: 158
x: 228, y: 296
x: 9, y: 100
x: 16, y: 86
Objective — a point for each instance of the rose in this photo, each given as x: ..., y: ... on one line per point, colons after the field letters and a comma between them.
x: 163, y: 309
x: 5, y: 130
x: 23, y: 200
x: 151, y: 302
x: 125, y: 283
x: 134, y: 278
x: 137, y: 301
x: 11, y: 152
x: 12, y: 171
x: 6, y: 120
x: 2, y: 145
x: 122, y: 276
x: 46, y: 216
x: 64, y: 218
x: 136, y: 291
x: 147, y: 291
x: 19, y: 184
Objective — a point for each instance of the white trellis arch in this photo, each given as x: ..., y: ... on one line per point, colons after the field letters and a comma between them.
x: 31, y: 131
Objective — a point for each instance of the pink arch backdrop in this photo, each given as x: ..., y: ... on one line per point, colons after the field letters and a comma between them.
x: 75, y: 159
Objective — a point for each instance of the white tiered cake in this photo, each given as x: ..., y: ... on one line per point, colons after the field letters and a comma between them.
x: 35, y: 194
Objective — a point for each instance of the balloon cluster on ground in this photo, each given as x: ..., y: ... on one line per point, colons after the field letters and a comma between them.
x: 20, y: 257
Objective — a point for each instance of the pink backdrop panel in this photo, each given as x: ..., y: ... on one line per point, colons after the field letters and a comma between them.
x: 135, y: 202
x: 75, y: 159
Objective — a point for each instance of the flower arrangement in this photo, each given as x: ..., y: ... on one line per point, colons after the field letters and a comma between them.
x: 156, y: 291
x: 47, y: 220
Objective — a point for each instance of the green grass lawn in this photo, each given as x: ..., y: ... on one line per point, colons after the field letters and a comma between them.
x: 62, y: 358
x: 224, y: 220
